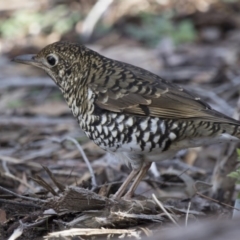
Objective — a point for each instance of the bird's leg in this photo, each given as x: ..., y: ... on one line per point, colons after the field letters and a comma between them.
x: 137, y: 180
x: 123, y: 187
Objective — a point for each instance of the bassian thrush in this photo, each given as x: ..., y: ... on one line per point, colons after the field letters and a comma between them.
x: 129, y: 111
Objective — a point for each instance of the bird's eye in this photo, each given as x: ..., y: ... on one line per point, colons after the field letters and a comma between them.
x: 52, y: 60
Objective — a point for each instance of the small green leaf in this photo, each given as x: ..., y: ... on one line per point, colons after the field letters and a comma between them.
x: 15, y: 104
x: 238, y: 153
x: 235, y: 175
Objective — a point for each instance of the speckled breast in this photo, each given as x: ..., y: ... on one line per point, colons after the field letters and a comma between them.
x: 120, y: 132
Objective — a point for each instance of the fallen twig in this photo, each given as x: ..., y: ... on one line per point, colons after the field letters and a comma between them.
x: 186, y: 219
x: 94, y: 15
x: 34, y: 121
x: 91, y: 231
x: 20, y: 196
x: 163, y: 208
x: 93, y: 178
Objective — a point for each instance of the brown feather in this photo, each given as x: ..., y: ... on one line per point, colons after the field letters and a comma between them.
x: 130, y: 88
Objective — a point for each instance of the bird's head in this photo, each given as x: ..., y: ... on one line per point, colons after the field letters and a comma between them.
x: 65, y: 63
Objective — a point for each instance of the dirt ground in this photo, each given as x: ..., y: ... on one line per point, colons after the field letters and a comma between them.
x: 56, y: 184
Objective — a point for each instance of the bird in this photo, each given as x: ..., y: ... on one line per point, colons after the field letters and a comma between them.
x: 128, y: 111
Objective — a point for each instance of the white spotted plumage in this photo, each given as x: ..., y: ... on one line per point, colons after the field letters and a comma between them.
x: 128, y: 110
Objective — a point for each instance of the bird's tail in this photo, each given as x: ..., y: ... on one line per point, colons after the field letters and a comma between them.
x: 207, y: 132
x: 233, y: 130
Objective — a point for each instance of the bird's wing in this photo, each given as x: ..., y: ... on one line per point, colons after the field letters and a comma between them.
x: 129, y: 89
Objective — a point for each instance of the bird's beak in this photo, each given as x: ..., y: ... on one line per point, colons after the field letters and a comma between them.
x: 29, y: 59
